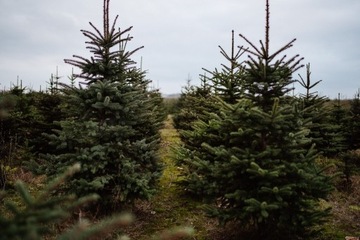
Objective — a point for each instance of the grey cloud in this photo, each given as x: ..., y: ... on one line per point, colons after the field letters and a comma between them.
x: 182, y: 36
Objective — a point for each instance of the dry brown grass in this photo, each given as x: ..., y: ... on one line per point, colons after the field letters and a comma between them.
x: 346, y: 208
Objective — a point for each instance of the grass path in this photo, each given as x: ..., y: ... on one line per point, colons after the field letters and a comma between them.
x: 170, y: 207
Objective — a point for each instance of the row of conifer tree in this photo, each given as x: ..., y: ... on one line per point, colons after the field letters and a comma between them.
x: 249, y: 147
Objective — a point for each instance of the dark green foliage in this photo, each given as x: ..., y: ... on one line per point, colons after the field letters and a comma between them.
x: 114, y: 126
x: 339, y: 120
x: 323, y: 132
x: 353, y: 123
x: 7, y: 137
x: 170, y: 105
x: 193, y: 104
x: 23, y: 117
x: 266, y: 77
x: 255, y: 166
x: 116, y: 149
x: 252, y: 159
x: 106, y: 63
x: 38, y: 216
x: 7, y: 104
x: 349, y: 166
x: 34, y: 218
x: 196, y: 102
x: 228, y: 82
x: 27, y: 115
x: 47, y: 110
x: 200, y: 103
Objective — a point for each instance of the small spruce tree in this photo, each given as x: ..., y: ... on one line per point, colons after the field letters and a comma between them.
x: 36, y: 216
x: 339, y: 117
x: 228, y: 83
x: 322, y: 131
x: 353, y: 136
x: 194, y: 101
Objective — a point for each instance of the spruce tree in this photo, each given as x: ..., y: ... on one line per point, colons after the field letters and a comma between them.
x: 194, y: 101
x: 267, y: 77
x: 339, y: 118
x: 252, y: 158
x: 350, y: 128
x: 228, y: 82
x: 349, y: 166
x: 24, y: 115
x: 322, y: 131
x: 37, y: 216
x: 353, y: 137
x: 114, y: 126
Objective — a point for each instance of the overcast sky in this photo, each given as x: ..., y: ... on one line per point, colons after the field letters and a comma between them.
x: 180, y: 37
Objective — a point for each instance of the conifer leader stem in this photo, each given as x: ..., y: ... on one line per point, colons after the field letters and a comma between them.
x: 106, y: 18
x: 267, y: 26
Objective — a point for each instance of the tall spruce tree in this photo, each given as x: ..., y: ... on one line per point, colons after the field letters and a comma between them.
x: 114, y: 126
x: 253, y: 162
